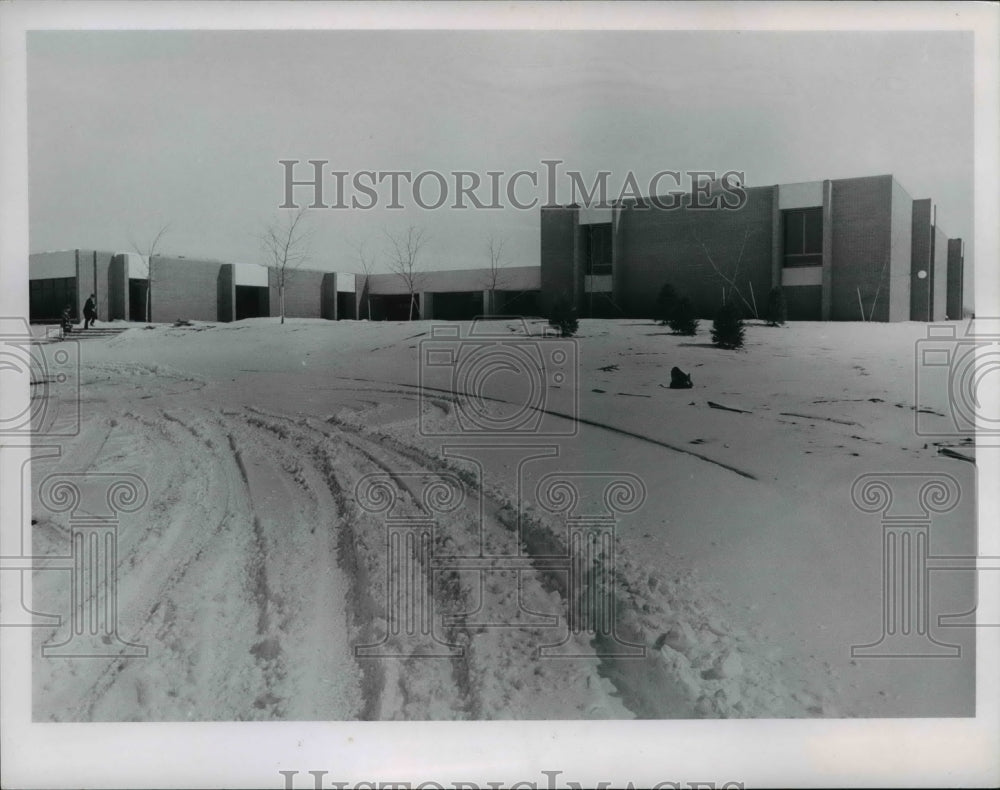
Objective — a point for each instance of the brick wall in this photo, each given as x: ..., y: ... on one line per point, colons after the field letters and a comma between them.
x: 659, y: 246
x: 303, y: 293
x: 861, y: 248
x: 185, y: 288
x: 901, y: 232
x: 920, y: 257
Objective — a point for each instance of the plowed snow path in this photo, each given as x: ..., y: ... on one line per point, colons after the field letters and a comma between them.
x: 238, y: 579
x: 252, y: 574
x: 230, y: 578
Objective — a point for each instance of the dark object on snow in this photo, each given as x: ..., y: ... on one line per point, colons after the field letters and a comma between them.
x: 713, y: 405
x: 679, y: 380
x: 947, y: 452
x: 182, y: 322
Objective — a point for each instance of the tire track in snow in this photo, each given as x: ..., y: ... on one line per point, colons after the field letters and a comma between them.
x: 573, y: 418
x: 500, y: 675
x: 669, y: 683
x: 154, y: 558
x: 299, y: 588
x: 386, y: 692
x: 180, y: 582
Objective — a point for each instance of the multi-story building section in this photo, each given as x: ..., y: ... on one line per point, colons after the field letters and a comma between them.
x: 842, y: 250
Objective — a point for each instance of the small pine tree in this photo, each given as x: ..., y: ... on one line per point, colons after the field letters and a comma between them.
x: 666, y: 302
x: 683, y: 321
x: 777, y: 310
x: 563, y: 317
x: 727, y: 328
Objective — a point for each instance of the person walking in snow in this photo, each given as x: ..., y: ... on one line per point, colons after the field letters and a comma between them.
x: 90, y: 312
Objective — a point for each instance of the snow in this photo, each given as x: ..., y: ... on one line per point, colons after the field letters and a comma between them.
x: 747, y: 573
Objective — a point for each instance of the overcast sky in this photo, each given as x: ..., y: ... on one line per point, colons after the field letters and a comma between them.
x: 131, y: 130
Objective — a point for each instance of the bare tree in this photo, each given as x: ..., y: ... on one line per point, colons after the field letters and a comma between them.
x: 366, y: 263
x: 494, y: 276
x: 148, y: 251
x: 878, y: 290
x: 286, y: 247
x: 405, y: 249
x: 729, y: 279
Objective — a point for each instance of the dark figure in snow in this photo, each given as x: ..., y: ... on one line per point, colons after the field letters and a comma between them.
x: 679, y: 380
x: 66, y: 320
x: 89, y: 312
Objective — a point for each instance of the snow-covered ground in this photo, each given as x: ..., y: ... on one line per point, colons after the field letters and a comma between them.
x: 747, y: 573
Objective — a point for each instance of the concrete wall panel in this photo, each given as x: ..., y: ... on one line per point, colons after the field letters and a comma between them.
x: 939, y: 302
x: 862, y: 248
x: 48, y: 265
x: 185, y: 288
x: 901, y: 254
x: 956, y: 279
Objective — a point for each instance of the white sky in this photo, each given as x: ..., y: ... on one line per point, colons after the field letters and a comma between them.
x: 130, y: 130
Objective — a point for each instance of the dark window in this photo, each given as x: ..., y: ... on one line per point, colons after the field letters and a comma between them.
x: 803, y: 235
x: 252, y: 301
x: 138, y: 290
x: 48, y: 297
x: 597, y: 248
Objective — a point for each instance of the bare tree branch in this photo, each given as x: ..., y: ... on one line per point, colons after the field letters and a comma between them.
x: 367, y: 265
x: 286, y: 244
x: 405, y: 249
x: 494, y: 277
x: 729, y: 280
